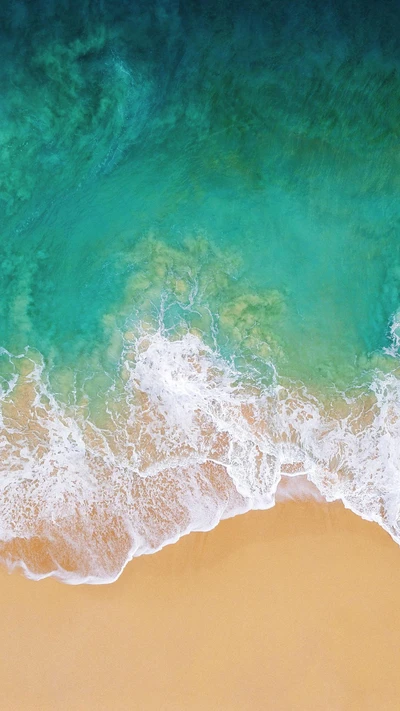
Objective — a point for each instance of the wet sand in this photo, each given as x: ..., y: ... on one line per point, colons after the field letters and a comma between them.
x: 295, y: 608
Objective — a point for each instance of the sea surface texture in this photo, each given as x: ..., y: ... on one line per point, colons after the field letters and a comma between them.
x: 199, y: 272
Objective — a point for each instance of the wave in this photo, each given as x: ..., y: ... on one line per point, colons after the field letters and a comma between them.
x: 394, y: 348
x: 182, y: 442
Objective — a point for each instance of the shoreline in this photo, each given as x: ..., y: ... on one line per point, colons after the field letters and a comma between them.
x: 169, y: 464
x: 294, y: 607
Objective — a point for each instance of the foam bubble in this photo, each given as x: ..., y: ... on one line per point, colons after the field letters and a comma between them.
x: 394, y: 348
x: 183, y: 443
x: 296, y: 487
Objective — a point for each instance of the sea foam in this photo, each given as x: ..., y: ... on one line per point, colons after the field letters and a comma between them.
x: 184, y: 442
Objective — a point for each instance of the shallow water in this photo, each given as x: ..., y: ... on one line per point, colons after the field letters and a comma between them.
x: 200, y: 269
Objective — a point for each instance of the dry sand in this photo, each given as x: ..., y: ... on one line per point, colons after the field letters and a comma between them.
x: 291, y: 609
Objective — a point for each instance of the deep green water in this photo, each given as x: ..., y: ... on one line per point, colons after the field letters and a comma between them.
x: 270, y: 131
x: 231, y: 168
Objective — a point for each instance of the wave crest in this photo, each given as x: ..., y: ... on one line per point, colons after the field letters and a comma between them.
x: 181, y: 442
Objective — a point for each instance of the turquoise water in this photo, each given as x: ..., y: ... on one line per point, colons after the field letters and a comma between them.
x: 216, y: 171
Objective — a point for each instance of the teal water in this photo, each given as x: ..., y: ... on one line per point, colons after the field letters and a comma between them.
x: 219, y: 171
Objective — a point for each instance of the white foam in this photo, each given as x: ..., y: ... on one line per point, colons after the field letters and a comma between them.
x: 186, y: 444
x: 296, y: 487
x: 394, y: 348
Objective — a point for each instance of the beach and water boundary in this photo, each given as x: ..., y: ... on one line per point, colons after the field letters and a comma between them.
x: 200, y: 270
x: 181, y: 445
x: 275, y: 609
x: 199, y: 320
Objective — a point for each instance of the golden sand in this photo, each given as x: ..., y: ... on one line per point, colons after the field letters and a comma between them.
x: 291, y: 609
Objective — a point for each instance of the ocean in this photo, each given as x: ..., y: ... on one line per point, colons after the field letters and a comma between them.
x: 200, y: 269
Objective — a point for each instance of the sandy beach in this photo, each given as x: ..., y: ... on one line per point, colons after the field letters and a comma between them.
x: 293, y: 608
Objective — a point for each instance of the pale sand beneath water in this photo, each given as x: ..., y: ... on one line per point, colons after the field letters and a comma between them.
x: 291, y: 609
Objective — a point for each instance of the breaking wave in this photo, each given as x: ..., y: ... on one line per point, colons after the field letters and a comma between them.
x: 181, y: 441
